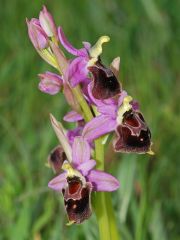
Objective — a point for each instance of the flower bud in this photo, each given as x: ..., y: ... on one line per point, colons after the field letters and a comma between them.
x: 47, y: 23
x: 56, y: 158
x: 36, y: 34
x: 50, y: 83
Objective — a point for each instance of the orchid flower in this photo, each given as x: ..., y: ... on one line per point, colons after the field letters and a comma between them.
x: 43, y: 34
x: 79, y: 178
x: 119, y: 115
x: 87, y: 61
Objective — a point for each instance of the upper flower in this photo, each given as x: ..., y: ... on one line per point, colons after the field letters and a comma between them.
x: 84, y: 68
x: 87, y: 61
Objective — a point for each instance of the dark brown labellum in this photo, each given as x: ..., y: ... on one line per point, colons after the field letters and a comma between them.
x: 77, y: 200
x: 133, y: 135
x: 74, y: 188
x: 105, y: 84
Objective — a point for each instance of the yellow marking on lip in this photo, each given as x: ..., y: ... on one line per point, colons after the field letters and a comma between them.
x: 69, y: 169
x: 125, y: 107
x: 71, y: 172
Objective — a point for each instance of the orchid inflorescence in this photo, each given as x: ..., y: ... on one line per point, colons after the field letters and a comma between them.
x: 100, y: 106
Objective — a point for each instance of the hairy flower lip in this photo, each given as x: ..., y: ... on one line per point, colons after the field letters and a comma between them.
x: 105, y: 83
x: 78, y: 208
x: 135, y: 122
x: 73, y: 191
x: 133, y: 134
x: 126, y: 142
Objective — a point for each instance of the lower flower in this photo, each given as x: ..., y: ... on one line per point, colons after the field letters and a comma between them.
x: 77, y: 200
x: 79, y: 179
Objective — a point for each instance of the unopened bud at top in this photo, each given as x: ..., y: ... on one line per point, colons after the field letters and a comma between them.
x: 47, y: 23
x: 36, y: 34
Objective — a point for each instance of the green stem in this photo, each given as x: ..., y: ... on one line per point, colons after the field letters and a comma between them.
x: 103, y: 204
x: 112, y: 220
x: 83, y: 104
x: 100, y: 201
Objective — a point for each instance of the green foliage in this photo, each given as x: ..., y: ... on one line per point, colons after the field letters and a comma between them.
x: 144, y: 33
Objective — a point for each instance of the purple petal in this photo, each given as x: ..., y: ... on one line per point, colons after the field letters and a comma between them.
x: 72, y: 117
x: 109, y: 110
x: 77, y: 71
x: 85, y: 167
x: 36, y: 34
x: 80, y: 151
x: 135, y: 105
x: 48, y: 87
x: 121, y: 97
x: 87, y: 45
x: 47, y: 23
x: 53, y: 76
x: 35, y: 22
x: 71, y: 134
x: 68, y: 46
x: 98, y: 126
x: 59, y: 182
x: 103, y: 182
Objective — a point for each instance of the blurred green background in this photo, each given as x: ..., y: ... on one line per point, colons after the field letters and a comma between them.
x: 145, y: 34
